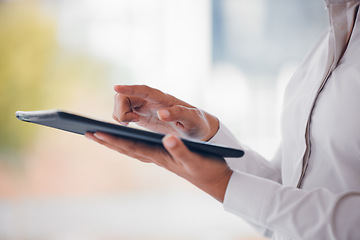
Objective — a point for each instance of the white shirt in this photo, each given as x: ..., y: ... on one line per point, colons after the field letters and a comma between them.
x: 320, y: 132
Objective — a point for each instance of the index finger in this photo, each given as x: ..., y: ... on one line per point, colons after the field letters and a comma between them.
x: 123, y: 111
x: 150, y: 94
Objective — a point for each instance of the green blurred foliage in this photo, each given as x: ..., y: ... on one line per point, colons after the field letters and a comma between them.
x: 35, y: 73
x: 27, y: 43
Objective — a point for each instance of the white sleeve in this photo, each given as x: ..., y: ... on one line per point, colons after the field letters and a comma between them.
x: 292, y: 212
x: 255, y: 193
x: 251, y: 162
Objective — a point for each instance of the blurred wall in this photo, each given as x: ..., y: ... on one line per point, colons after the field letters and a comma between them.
x: 68, y: 54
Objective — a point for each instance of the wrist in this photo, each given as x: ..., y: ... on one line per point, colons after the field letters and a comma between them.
x: 213, y: 124
x: 218, y: 189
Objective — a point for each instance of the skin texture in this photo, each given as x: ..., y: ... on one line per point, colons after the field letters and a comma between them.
x: 157, y: 111
x: 161, y: 112
x: 207, y: 173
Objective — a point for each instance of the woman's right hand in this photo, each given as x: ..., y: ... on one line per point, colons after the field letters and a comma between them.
x: 157, y: 111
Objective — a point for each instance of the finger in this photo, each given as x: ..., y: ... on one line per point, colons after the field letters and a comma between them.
x: 92, y: 136
x: 124, y: 149
x: 177, y: 149
x: 126, y: 146
x: 150, y: 94
x: 123, y: 111
x: 187, y: 120
x: 185, y: 115
x: 135, y: 149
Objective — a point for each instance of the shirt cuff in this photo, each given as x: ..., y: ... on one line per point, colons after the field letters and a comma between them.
x: 249, y: 197
x: 224, y: 137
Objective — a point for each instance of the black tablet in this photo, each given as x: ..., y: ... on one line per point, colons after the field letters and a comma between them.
x: 80, y: 125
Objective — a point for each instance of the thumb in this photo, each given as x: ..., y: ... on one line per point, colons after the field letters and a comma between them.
x: 177, y: 149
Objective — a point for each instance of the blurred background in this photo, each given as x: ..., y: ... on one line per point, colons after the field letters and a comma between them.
x: 232, y: 58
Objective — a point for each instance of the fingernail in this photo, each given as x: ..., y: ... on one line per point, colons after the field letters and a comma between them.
x: 170, y: 141
x: 98, y: 137
x: 163, y: 114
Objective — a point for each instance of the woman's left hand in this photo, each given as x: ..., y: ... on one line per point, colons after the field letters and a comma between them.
x: 210, y: 174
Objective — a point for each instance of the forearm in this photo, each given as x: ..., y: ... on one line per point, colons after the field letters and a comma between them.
x: 215, y: 187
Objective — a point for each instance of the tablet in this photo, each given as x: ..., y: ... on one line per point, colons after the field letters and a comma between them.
x: 78, y: 124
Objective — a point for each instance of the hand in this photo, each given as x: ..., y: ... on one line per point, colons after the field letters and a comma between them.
x: 208, y: 173
x: 160, y: 112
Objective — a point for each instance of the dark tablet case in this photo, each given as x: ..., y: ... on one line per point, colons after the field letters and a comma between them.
x: 80, y: 125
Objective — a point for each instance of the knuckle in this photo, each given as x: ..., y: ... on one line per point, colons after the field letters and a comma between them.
x: 147, y: 91
x: 169, y: 99
x: 176, y: 110
x: 196, y: 112
x: 146, y: 87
